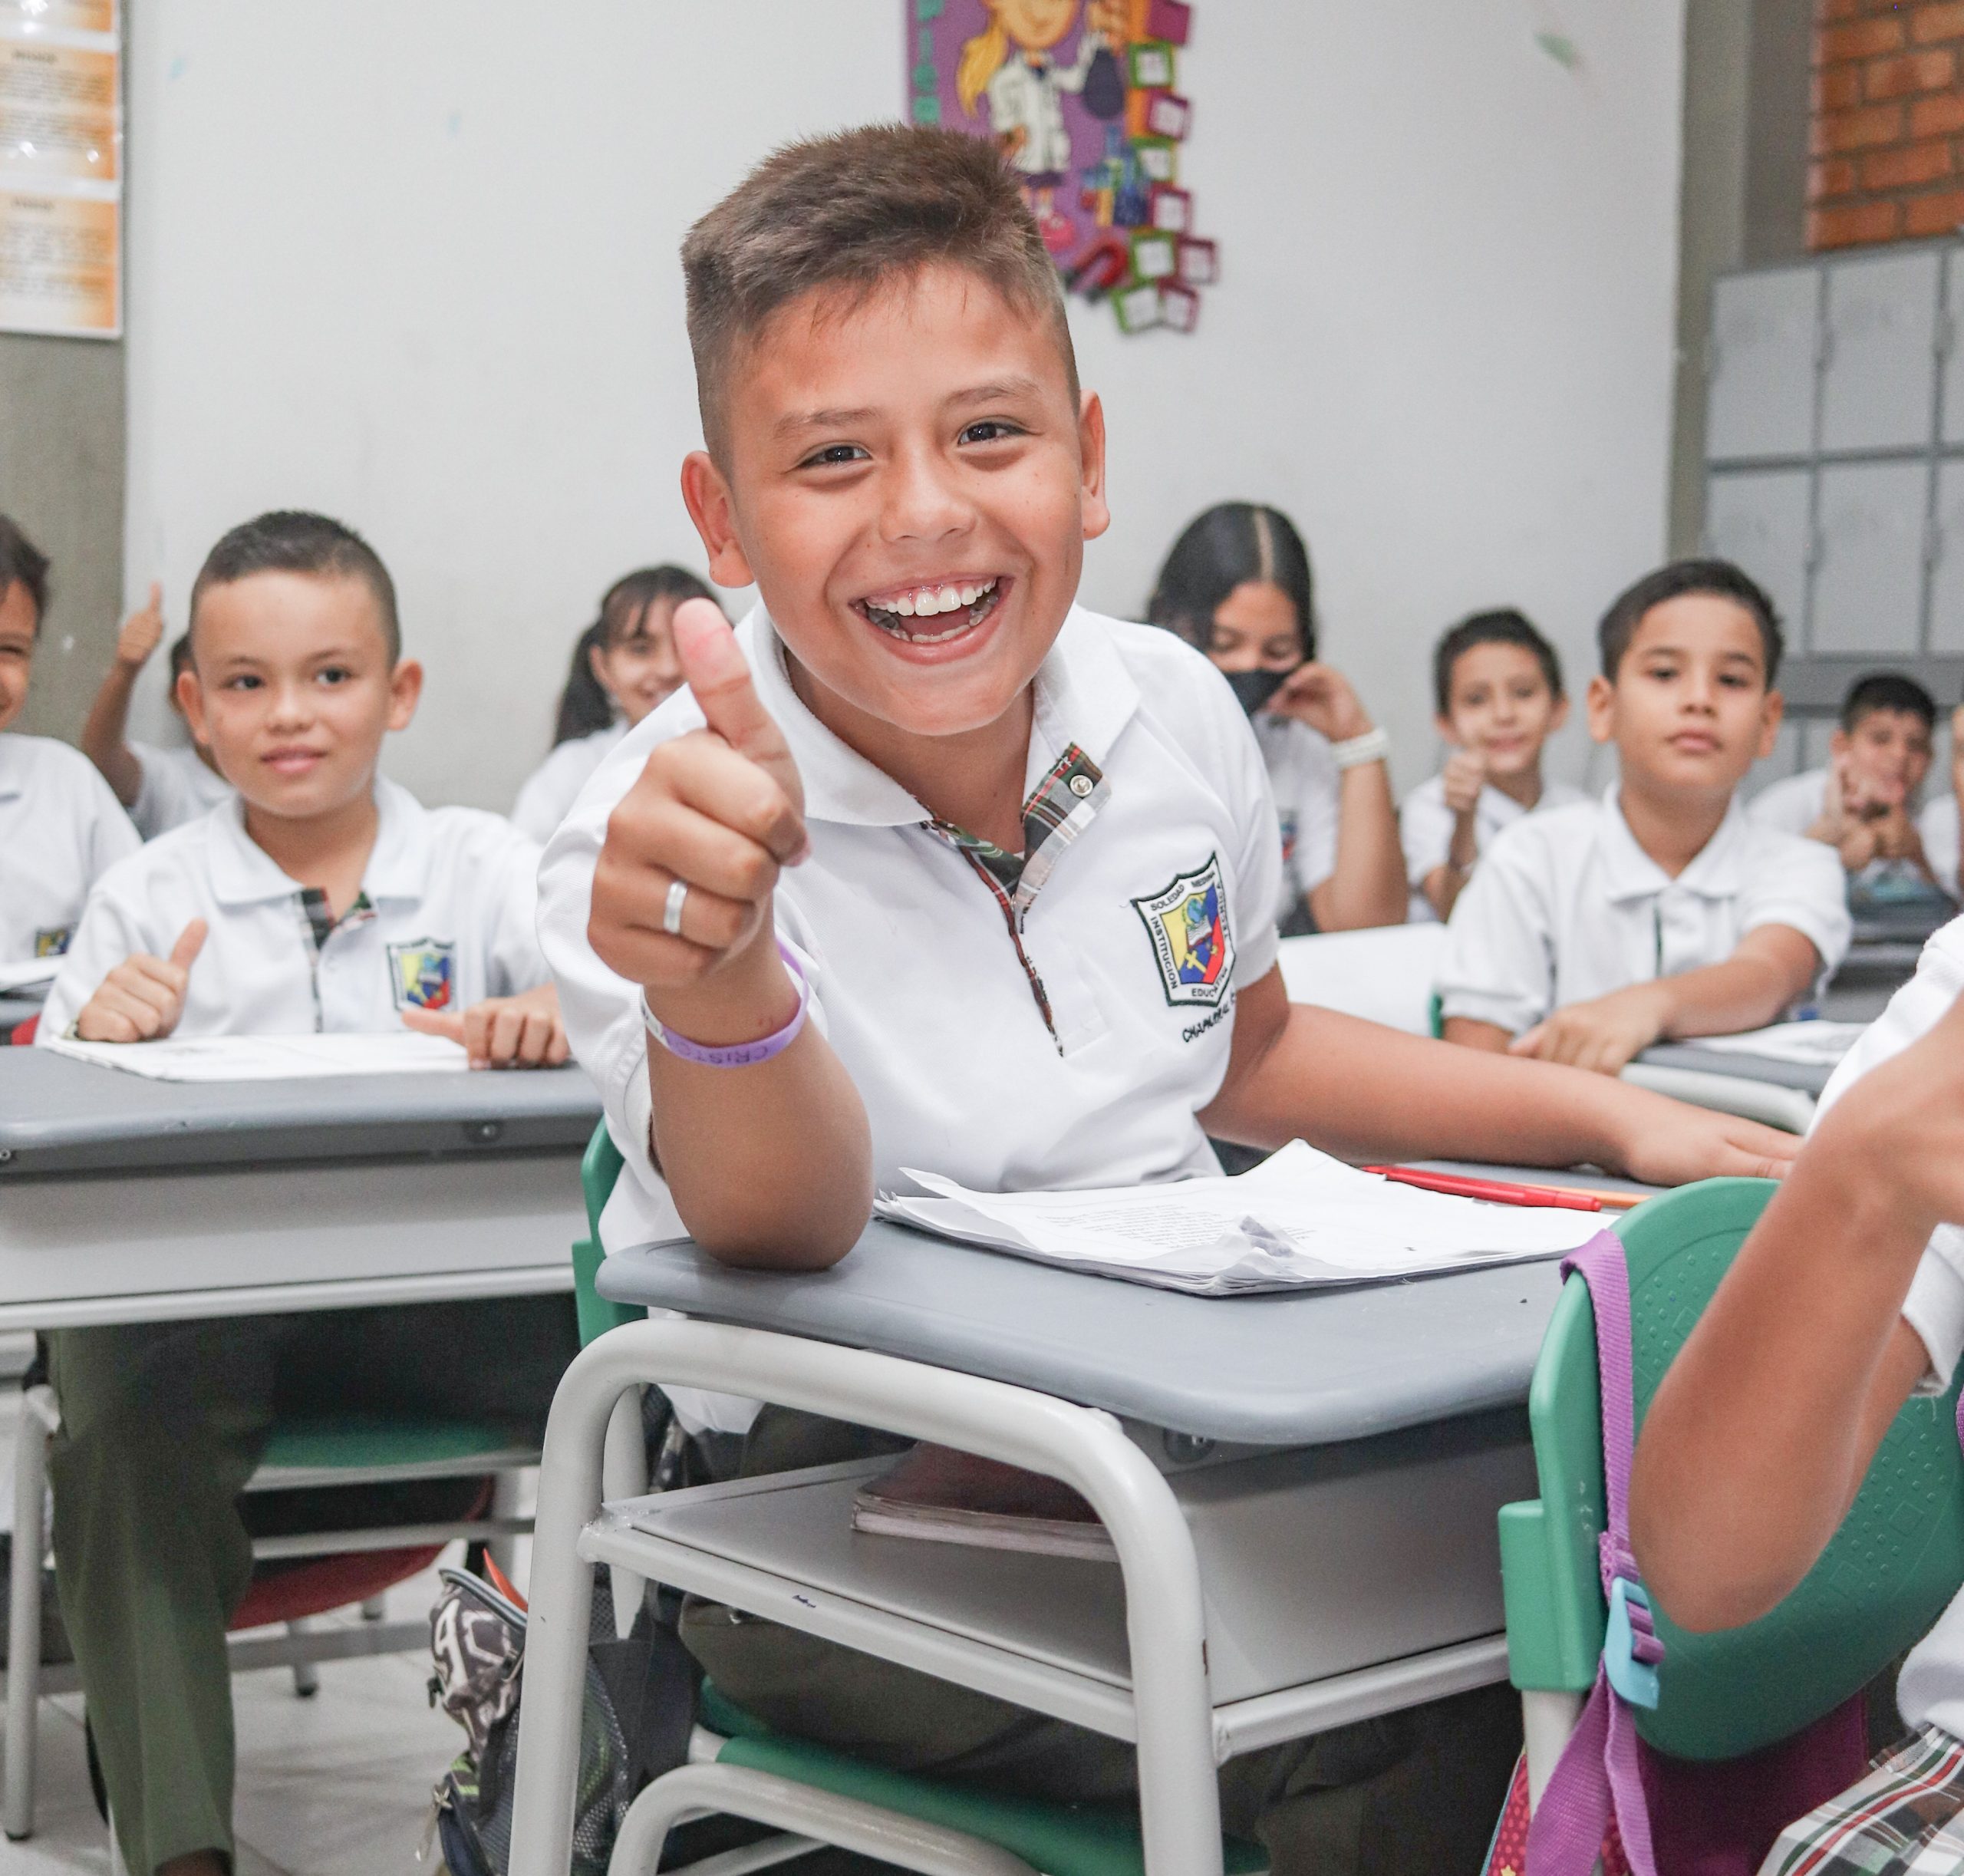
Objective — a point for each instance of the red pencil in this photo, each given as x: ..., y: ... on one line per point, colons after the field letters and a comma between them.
x: 1460, y: 1185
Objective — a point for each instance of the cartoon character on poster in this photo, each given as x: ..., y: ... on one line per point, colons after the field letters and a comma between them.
x: 1009, y: 68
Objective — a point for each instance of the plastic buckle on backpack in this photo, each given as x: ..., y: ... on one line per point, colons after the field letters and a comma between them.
x: 1634, y: 1679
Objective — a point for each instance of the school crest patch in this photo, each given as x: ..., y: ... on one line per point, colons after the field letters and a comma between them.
x: 423, y: 973
x: 52, y: 941
x: 1192, y: 941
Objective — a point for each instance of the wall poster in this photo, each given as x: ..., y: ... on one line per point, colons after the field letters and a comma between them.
x: 62, y: 168
x: 1083, y: 98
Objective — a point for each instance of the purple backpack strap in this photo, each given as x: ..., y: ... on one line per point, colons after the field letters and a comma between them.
x: 1596, y: 1779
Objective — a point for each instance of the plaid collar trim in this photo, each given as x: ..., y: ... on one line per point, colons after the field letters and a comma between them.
x: 1059, y: 809
x: 320, y: 921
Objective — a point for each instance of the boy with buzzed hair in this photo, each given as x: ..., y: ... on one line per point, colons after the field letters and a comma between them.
x: 1023, y: 859
x: 321, y: 898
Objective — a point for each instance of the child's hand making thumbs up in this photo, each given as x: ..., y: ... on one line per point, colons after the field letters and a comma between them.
x: 142, y: 999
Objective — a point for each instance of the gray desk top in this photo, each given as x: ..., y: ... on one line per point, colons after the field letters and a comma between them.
x: 60, y: 1115
x: 1809, y: 1079
x: 1307, y: 1369
x: 14, y: 1010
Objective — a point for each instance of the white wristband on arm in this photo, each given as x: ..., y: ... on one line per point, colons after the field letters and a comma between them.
x: 1372, y: 745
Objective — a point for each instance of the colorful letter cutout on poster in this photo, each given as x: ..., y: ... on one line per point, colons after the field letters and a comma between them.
x: 1082, y: 98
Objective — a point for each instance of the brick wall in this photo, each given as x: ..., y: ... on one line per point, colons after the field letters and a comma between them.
x: 1888, y: 130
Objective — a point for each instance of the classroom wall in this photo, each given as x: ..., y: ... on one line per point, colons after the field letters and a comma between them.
x: 415, y: 266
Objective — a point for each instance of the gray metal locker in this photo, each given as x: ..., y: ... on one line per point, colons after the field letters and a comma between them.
x: 1764, y: 340
x: 1760, y: 519
x: 1947, y: 559
x: 1951, y: 348
x: 1878, y: 384
x: 1870, y: 523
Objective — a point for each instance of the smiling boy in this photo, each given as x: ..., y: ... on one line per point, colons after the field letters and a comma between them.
x: 931, y: 867
x: 1660, y: 911
x: 322, y: 898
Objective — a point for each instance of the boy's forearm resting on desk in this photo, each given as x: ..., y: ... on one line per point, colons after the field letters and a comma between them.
x: 1364, y: 1092
x: 1760, y: 1433
x: 1772, y: 966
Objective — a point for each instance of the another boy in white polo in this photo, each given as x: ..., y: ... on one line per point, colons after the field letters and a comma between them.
x: 1662, y: 909
x: 60, y: 829
x: 932, y: 867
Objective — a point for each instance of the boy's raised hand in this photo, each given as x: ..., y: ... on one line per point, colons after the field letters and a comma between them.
x: 143, y: 631
x: 524, y: 1031
x: 1461, y: 779
x: 141, y: 999
x: 720, y: 810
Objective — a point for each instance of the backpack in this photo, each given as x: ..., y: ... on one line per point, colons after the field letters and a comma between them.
x: 638, y: 1709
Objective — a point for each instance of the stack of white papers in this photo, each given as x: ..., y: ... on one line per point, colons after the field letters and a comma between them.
x: 1810, y: 1045
x: 1298, y: 1221
x: 271, y: 1058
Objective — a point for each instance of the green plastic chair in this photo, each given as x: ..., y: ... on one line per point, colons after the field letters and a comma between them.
x: 1894, y: 1565
x: 1057, y: 1839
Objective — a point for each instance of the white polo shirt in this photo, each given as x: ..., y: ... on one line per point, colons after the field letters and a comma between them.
x: 554, y: 784
x: 1426, y: 824
x: 62, y: 828
x: 1307, y: 785
x: 1062, y: 1034
x: 1937, y: 826
x: 1567, y: 906
x: 1931, y: 1689
x: 176, y: 787
x: 446, y: 918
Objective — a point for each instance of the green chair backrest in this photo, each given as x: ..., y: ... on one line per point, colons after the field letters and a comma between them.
x: 1896, y: 1561
x: 598, y: 1170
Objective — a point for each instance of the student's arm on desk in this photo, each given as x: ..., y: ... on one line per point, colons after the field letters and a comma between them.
x: 1772, y: 965
x: 1366, y: 1092
x: 770, y: 1165
x: 1761, y: 1433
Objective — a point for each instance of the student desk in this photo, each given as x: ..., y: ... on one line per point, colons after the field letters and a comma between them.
x: 1302, y: 1489
x: 1782, y: 1094
x: 123, y: 1199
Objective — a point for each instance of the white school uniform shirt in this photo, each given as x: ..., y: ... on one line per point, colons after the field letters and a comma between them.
x: 1937, y: 827
x: 1931, y: 1689
x: 1065, y: 1034
x: 61, y: 829
x: 1567, y: 906
x: 554, y: 784
x: 1307, y: 785
x: 177, y: 786
x: 1426, y: 824
x: 451, y: 904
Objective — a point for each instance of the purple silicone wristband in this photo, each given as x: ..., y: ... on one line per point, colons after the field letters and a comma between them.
x: 737, y: 1055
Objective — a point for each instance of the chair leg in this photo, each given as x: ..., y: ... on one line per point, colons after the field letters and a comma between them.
x: 503, y: 1550
x: 624, y: 1475
x: 847, y: 1823
x: 38, y: 1416
x: 1547, y: 1717
x: 306, y: 1674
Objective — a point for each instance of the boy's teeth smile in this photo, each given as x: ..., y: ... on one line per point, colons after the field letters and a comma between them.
x: 965, y: 604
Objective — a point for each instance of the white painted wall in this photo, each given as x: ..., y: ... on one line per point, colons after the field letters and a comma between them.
x: 415, y: 266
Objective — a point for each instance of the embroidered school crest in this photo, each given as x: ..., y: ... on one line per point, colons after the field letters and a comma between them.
x: 52, y: 941
x: 423, y: 973
x: 1187, y: 923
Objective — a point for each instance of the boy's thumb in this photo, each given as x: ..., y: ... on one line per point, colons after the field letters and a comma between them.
x: 713, y: 665
x: 190, y: 941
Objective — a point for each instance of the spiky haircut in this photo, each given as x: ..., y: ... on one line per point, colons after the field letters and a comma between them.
x: 857, y: 211
x: 291, y: 540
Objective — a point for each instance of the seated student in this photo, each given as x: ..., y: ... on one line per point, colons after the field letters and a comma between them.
x: 1938, y: 827
x: 161, y: 788
x: 60, y: 829
x: 1498, y: 684
x: 1018, y: 865
x: 1863, y: 803
x: 1662, y: 909
x: 1846, y: 1299
x: 322, y: 898
x: 623, y: 666
x: 1237, y: 585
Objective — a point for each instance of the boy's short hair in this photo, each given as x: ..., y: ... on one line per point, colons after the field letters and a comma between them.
x: 23, y: 563
x: 1505, y: 625
x: 857, y: 210
x: 1887, y: 690
x: 1673, y: 582
x: 291, y: 540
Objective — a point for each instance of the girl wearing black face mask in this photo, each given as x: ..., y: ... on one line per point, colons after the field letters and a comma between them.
x: 1236, y: 585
